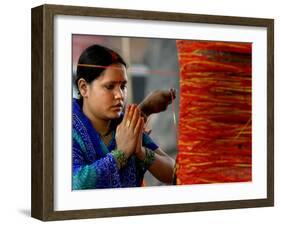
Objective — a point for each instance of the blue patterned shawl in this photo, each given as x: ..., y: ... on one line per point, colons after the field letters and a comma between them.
x: 93, y: 165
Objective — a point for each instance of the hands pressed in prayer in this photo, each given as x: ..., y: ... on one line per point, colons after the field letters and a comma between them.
x: 130, y: 130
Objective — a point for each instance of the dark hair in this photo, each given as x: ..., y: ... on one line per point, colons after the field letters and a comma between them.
x: 93, y: 61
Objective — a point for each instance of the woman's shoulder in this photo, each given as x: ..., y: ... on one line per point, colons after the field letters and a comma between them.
x: 77, y: 112
x: 76, y: 105
x: 79, y: 120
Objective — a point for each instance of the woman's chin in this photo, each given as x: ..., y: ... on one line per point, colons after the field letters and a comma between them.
x: 116, y: 114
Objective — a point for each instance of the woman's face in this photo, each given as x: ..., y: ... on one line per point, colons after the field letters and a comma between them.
x: 106, y: 95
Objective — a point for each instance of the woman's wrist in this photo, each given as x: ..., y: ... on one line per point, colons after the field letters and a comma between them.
x: 120, y: 158
x: 141, y: 154
x: 148, y: 158
x: 144, y: 111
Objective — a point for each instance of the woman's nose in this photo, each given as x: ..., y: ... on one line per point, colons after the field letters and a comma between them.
x: 119, y: 94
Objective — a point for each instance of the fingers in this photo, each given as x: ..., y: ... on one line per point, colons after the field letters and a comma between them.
x: 139, y: 126
x: 135, y: 116
x: 128, y: 132
x: 173, y: 93
x: 126, y: 113
x: 170, y: 95
x: 131, y: 116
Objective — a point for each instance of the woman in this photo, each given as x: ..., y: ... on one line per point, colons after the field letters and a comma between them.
x: 110, y: 148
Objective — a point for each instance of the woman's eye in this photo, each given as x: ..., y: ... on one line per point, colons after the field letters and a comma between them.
x: 123, y: 86
x: 109, y: 87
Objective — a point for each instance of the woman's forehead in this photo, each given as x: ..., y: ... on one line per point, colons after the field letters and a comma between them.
x: 114, y: 73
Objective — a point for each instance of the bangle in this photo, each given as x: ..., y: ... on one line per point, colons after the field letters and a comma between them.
x: 120, y: 158
x: 149, y: 158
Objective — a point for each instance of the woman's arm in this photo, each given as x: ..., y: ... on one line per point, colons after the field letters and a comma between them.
x: 156, y: 102
x: 162, y: 167
x: 155, y: 159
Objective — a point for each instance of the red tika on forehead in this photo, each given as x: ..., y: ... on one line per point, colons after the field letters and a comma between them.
x: 114, y: 56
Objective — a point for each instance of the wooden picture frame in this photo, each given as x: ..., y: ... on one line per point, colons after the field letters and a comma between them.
x: 42, y: 203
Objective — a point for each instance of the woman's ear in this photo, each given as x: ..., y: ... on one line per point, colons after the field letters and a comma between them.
x: 83, y: 87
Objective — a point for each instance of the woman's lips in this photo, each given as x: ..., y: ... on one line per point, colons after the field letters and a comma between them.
x: 118, y: 106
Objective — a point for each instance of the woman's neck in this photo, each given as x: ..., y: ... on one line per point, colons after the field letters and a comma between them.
x: 100, y: 125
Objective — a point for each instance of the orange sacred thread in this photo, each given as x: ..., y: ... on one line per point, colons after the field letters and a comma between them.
x: 215, y: 118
